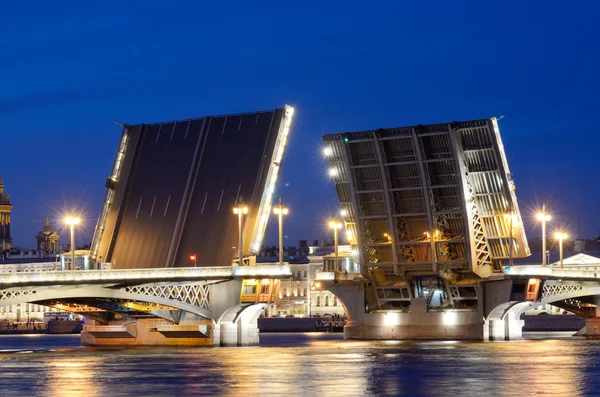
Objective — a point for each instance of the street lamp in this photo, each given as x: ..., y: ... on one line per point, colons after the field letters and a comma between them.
x: 240, y: 210
x: 72, y: 221
x: 387, y: 236
x: 335, y: 225
x: 280, y: 210
x: 543, y: 217
x: 560, y: 236
x: 193, y: 257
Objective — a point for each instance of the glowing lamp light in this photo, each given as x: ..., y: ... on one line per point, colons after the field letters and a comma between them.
x: 327, y: 151
x: 192, y: 257
x: 346, y: 139
x: 344, y: 213
x: 335, y: 225
x: 543, y: 217
x: 333, y: 172
x: 236, y: 210
x: 560, y: 236
x: 283, y: 211
x: 72, y: 220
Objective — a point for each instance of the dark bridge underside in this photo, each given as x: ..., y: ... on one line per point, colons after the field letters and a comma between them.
x: 178, y: 184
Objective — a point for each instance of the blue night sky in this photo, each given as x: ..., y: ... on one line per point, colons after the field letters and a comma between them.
x: 68, y: 68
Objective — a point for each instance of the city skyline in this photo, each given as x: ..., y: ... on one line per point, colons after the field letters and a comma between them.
x: 343, y: 75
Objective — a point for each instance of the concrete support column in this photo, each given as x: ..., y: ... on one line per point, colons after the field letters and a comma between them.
x: 508, y: 328
x: 591, y: 329
x: 216, y: 334
x: 229, y: 334
x: 248, y: 334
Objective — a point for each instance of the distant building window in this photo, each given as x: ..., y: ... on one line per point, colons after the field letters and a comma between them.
x: 305, y: 274
x: 326, y: 301
x: 334, y: 301
x: 318, y: 300
x: 304, y: 291
x: 249, y: 289
x: 299, y: 274
x: 264, y: 289
x: 285, y: 292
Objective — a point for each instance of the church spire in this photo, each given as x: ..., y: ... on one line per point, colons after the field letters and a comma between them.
x: 46, y: 221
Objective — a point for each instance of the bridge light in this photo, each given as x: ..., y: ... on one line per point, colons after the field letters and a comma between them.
x: 560, y: 236
x: 333, y: 172
x: 335, y: 225
x: 327, y: 151
x: 72, y: 221
x: 240, y: 209
x: 280, y: 210
x: 543, y: 217
x: 344, y: 213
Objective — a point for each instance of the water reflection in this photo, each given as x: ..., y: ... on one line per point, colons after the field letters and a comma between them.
x: 305, y: 364
x: 71, y: 376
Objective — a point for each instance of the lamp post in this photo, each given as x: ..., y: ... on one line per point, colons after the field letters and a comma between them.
x: 240, y: 210
x: 335, y: 225
x: 72, y: 221
x: 193, y: 257
x: 280, y: 211
x: 560, y: 236
x: 543, y: 217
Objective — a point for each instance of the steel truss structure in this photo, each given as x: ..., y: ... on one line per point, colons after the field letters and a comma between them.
x: 429, y: 199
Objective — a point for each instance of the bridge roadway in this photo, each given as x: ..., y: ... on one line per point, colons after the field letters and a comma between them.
x: 136, y: 276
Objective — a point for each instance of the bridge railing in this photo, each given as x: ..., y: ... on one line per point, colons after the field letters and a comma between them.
x: 551, y: 272
x: 30, y: 267
x: 149, y: 275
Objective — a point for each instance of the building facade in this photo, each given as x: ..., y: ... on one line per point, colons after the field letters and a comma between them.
x: 47, y: 239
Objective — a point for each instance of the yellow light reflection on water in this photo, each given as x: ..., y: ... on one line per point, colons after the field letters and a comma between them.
x: 72, y: 376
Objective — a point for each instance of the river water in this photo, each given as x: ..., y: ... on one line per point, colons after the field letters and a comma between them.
x: 311, y: 364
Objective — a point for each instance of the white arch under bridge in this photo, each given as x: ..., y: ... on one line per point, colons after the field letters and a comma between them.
x: 504, y: 321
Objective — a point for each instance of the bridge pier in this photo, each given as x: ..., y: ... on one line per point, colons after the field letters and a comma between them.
x: 415, y: 323
x: 148, y: 332
x: 507, y: 328
x: 591, y: 329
